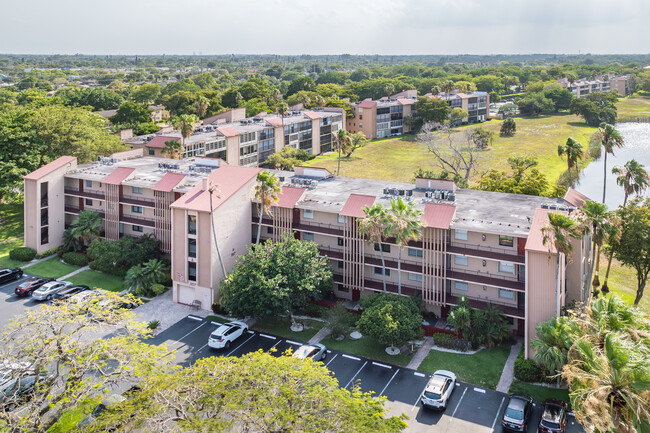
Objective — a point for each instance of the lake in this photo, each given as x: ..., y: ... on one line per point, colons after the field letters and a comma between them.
x: 637, y: 146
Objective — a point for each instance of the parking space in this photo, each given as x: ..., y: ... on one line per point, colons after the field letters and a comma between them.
x: 10, y: 304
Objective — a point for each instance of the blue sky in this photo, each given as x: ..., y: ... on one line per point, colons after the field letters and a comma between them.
x: 324, y: 26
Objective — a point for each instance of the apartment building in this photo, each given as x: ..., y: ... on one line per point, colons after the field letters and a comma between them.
x: 250, y: 141
x: 486, y: 246
x: 477, y: 104
x: 605, y: 83
x: 384, y: 117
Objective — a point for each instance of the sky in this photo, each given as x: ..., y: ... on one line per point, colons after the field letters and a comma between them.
x: 290, y: 27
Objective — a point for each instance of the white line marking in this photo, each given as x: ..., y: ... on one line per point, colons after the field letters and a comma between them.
x: 355, y: 375
x: 381, y: 365
x: 351, y: 357
x: 279, y: 341
x: 240, y: 345
x: 417, y: 402
x: 295, y: 343
x: 217, y: 323
x: 391, y: 379
x: 194, y: 318
x: 181, y: 339
x: 497, y: 415
x: 572, y: 414
x: 482, y: 391
x: 201, y: 348
x: 268, y: 336
x: 331, y: 359
x: 457, y: 384
x: 251, y: 332
x: 461, y: 399
x: 418, y: 374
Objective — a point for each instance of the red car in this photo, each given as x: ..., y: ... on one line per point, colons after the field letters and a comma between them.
x: 27, y: 287
x: 554, y: 417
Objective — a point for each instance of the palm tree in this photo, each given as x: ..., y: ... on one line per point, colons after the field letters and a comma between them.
x: 282, y: 110
x: 389, y: 90
x: 305, y: 100
x: 557, y: 234
x: 86, y: 227
x: 552, y: 344
x: 597, y: 219
x: 435, y: 90
x: 212, y: 189
x: 446, y: 87
x: 155, y: 270
x: 266, y: 191
x: 185, y: 124
x: 136, y: 278
x: 201, y: 104
x: 173, y: 148
x: 609, y: 138
x: 343, y: 143
x: 69, y: 242
x: 319, y: 101
x: 403, y: 224
x: 373, y: 228
x: 574, y: 153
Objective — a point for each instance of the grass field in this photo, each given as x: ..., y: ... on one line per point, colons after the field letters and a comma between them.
x: 100, y: 280
x: 52, y: 268
x: 633, y: 107
x: 484, y: 368
x: 539, y: 393
x: 368, y: 348
x: 11, y: 221
x: 622, y: 282
x: 5, y: 248
x: 396, y: 159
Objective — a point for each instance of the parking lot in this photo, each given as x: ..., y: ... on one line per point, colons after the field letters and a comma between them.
x: 10, y: 305
x: 471, y: 409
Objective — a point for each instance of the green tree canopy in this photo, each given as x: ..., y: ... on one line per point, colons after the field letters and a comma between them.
x: 131, y: 112
x: 391, y: 320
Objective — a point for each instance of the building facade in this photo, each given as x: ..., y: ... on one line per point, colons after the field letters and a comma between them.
x: 605, y: 83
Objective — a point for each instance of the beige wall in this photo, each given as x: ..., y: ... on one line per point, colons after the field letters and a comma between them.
x: 232, y: 150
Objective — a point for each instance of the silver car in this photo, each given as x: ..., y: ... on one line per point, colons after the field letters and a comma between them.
x: 316, y: 352
x: 46, y: 291
x: 438, y: 392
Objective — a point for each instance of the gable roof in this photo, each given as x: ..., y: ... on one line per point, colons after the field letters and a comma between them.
x: 289, y: 197
x: 118, y: 175
x: 312, y: 115
x: 367, y: 104
x: 438, y: 215
x: 159, y: 141
x: 354, y: 205
x: 575, y: 198
x: 168, y: 182
x: 49, y: 168
x: 228, y: 131
x: 535, y: 236
x: 274, y: 121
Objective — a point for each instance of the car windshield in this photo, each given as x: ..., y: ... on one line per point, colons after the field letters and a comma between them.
x: 24, y: 285
x: 550, y: 425
x: 514, y: 413
x: 431, y: 395
x: 304, y: 351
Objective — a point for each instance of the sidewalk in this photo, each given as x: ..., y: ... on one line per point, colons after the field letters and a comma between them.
x: 422, y: 353
x: 508, y: 374
x: 166, y: 311
x: 322, y: 333
x: 81, y: 269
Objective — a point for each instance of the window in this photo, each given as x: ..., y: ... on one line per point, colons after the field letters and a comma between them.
x: 88, y: 183
x: 152, y: 151
x: 308, y: 213
x: 269, y: 230
x: 89, y: 202
x: 415, y: 277
x: 414, y: 252
x: 136, y: 190
x: 44, y: 216
x: 191, y: 248
x: 461, y: 235
x: 191, y: 224
x: 247, y: 137
x: 506, y: 241
x: 360, y: 116
x: 45, y: 232
x: 506, y: 294
x: 137, y: 228
x: 384, y: 247
x: 378, y: 271
x: 507, y: 268
x: 459, y: 285
x: 342, y: 219
x: 191, y: 271
x: 137, y: 209
x: 343, y: 289
x: 339, y: 241
x: 307, y: 236
x: 340, y: 265
x: 460, y: 260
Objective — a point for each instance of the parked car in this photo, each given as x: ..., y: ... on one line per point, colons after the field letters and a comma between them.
x: 48, y: 290
x: 18, y: 390
x: 554, y: 416
x: 9, y: 370
x: 10, y: 274
x: 26, y: 288
x: 69, y: 291
x: 439, y: 389
x: 226, y: 334
x: 517, y: 413
x: 316, y: 352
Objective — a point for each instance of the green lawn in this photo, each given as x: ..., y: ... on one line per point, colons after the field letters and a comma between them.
x: 69, y: 419
x: 11, y: 221
x: 280, y: 327
x: 52, y: 268
x: 396, y: 159
x: 483, y: 368
x: 368, y: 348
x: 5, y: 248
x: 100, y: 280
x: 539, y: 393
x: 217, y: 319
x: 633, y: 107
x: 622, y: 282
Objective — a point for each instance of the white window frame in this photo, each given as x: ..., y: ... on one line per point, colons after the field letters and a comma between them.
x: 415, y: 277
x: 342, y: 219
x: 460, y: 234
x: 88, y: 183
x: 136, y: 190
x: 461, y: 286
x: 460, y: 260
x: 507, y: 294
x: 504, y: 268
x: 308, y: 214
x: 415, y: 252
x: 135, y: 209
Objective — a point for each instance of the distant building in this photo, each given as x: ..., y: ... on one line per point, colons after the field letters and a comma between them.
x: 477, y: 104
x: 582, y: 87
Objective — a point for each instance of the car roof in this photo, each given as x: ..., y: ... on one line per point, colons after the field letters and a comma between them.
x: 552, y: 411
x: 436, y: 383
x: 445, y: 373
x: 226, y: 326
x: 517, y: 402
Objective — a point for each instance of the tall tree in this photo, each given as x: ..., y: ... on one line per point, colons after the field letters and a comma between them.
x: 609, y: 138
x: 573, y: 151
x: 185, y: 124
x: 343, y: 144
x: 357, y: 140
x: 389, y: 89
x: 597, y: 219
x: 267, y: 189
x: 404, y: 225
x: 173, y: 148
x: 86, y: 227
x: 201, y: 104
x: 213, y: 189
x: 282, y: 110
x: 373, y: 228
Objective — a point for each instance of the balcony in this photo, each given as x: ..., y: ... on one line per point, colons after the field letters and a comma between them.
x: 327, y: 229
x: 507, y: 309
x: 137, y: 201
x: 75, y: 210
x: 487, y: 279
x: 86, y: 193
x: 378, y: 285
x: 486, y: 252
x: 138, y: 220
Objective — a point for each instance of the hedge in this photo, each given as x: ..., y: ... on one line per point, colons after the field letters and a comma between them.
x: 76, y: 259
x: 22, y: 254
x: 158, y: 289
x: 47, y: 253
x: 450, y: 341
x: 527, y: 370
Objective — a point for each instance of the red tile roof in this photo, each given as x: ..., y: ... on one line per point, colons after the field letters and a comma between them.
x: 535, y: 236
x: 574, y: 198
x: 289, y: 197
x: 168, y: 182
x: 367, y: 104
x: 159, y: 141
x: 312, y: 115
x: 228, y: 131
x: 438, y: 215
x: 118, y: 175
x: 229, y: 179
x: 49, y: 168
x: 274, y: 121
x: 353, y: 207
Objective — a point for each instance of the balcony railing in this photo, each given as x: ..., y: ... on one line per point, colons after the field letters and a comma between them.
x: 487, y: 252
x: 486, y: 278
x: 138, y: 220
x: 75, y: 210
x: 85, y: 193
x: 507, y: 309
x: 328, y: 229
x: 138, y: 201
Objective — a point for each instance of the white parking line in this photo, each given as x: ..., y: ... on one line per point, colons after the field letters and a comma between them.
x: 217, y: 323
x: 351, y: 357
x: 356, y: 374
x: 181, y: 339
x: 391, y: 379
x: 268, y: 336
x: 295, y: 343
x: 194, y: 318
x: 278, y: 342
x: 201, y: 348
x: 481, y: 390
x: 497, y: 415
x: 418, y: 374
x: 241, y: 345
x: 331, y: 359
x: 419, y: 397
x: 381, y: 365
x: 461, y: 399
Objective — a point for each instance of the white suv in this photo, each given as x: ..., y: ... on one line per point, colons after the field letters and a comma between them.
x: 438, y: 392
x: 47, y: 290
x: 226, y: 334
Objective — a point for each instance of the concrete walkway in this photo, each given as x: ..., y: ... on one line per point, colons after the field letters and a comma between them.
x: 322, y: 333
x: 422, y: 353
x: 10, y: 239
x: 33, y: 262
x: 508, y: 374
x: 81, y: 269
x: 166, y: 311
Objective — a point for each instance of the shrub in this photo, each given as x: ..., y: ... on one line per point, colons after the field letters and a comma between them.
x: 48, y: 253
x: 526, y: 370
x: 315, y: 310
x: 339, y: 320
x: 158, y: 289
x: 167, y: 280
x: 22, y: 254
x: 451, y: 342
x: 76, y: 259
x: 216, y: 308
x: 153, y: 324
